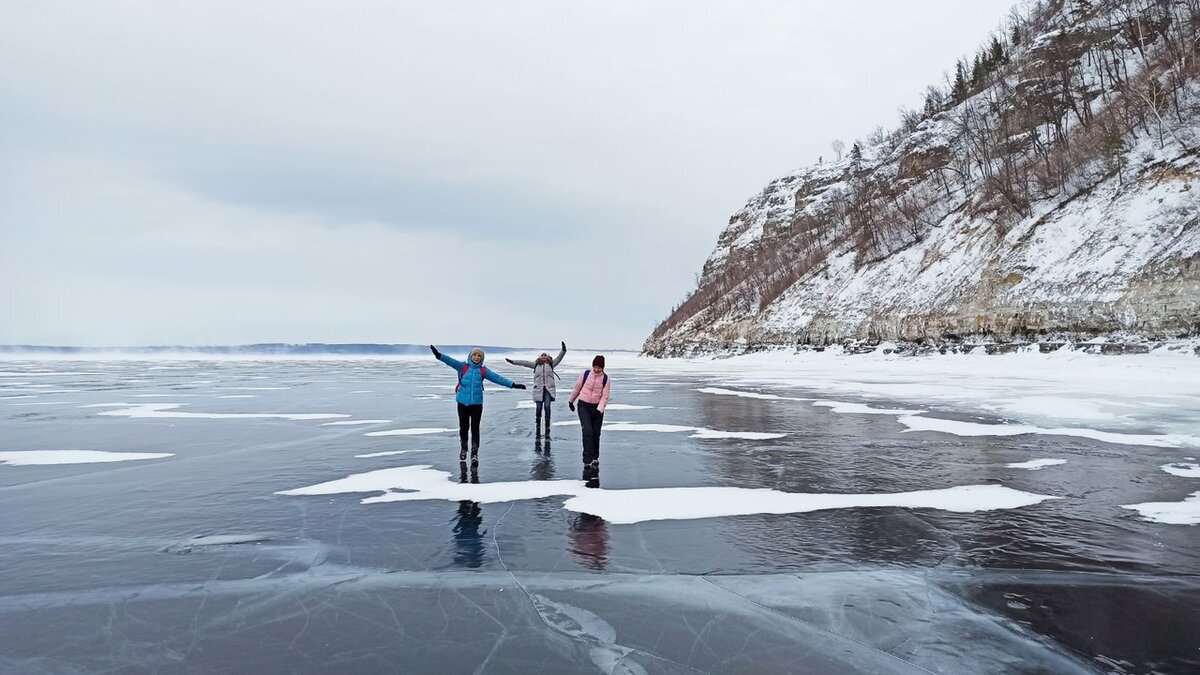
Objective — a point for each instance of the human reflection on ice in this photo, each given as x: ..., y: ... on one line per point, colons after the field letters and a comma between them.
x: 543, y: 463
x: 589, y: 541
x: 468, y: 539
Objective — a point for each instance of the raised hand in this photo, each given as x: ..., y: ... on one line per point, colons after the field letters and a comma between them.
x: 564, y: 346
x: 436, y: 353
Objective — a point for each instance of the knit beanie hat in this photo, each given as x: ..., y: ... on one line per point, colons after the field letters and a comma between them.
x: 480, y: 352
x: 598, y: 362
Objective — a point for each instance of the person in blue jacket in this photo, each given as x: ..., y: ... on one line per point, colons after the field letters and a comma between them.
x: 469, y: 395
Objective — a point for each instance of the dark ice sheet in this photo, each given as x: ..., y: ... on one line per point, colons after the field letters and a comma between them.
x: 193, y: 564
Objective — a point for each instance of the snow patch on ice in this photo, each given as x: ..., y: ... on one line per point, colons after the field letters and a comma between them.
x: 422, y: 483
x: 748, y: 394
x: 418, y: 431
x: 239, y: 396
x: 167, y: 410
x: 1183, y: 470
x: 1036, y: 464
x: 747, y: 435
x: 47, y: 457
x: 354, y: 423
x: 861, y: 409
x: 388, y: 453
x: 958, y: 428
x: 431, y: 397
x: 641, y: 391
x: 1186, y: 512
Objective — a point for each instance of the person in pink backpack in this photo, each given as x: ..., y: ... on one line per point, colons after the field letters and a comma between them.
x: 592, y: 390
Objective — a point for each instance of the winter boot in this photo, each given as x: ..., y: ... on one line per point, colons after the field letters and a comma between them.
x: 462, y: 452
x: 475, y: 453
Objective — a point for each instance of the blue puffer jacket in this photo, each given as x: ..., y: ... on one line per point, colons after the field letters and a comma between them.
x: 471, y: 391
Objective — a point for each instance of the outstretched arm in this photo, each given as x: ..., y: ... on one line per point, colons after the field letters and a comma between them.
x: 523, y: 364
x: 558, y: 359
x: 453, y: 363
x: 498, y: 378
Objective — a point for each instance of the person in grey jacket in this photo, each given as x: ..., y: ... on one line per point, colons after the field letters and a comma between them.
x: 543, y: 384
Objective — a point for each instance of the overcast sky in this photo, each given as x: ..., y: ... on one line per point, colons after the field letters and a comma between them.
x: 470, y: 172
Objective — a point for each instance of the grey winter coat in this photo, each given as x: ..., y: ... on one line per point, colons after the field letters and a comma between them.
x: 543, y: 375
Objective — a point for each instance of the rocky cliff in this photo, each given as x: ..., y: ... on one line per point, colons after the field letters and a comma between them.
x: 1053, y: 188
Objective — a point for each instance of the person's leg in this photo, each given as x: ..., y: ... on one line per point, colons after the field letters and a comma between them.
x: 463, y: 421
x: 585, y: 423
x: 476, y: 416
x: 546, y: 404
x: 597, y: 427
x: 538, y: 417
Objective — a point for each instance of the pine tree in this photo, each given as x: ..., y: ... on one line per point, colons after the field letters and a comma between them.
x: 996, y: 55
x: 1113, y: 147
x: 978, y: 72
x: 961, y: 89
x: 856, y: 156
x: 1015, y: 36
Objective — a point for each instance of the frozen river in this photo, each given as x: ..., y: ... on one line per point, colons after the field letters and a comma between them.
x: 312, y: 516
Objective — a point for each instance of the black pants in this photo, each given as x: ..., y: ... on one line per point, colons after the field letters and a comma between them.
x: 469, y: 415
x: 590, y: 419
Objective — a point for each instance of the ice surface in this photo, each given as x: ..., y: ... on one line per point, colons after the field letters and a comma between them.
x: 417, y: 431
x: 1183, y: 470
x: 238, y: 396
x: 641, y: 391
x: 46, y: 457
x: 422, y: 482
x: 353, y: 423
x: 1186, y: 512
x: 1036, y: 464
x: 960, y: 428
x: 167, y: 410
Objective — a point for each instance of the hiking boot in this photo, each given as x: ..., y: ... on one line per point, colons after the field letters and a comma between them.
x: 462, y: 453
x: 474, y: 455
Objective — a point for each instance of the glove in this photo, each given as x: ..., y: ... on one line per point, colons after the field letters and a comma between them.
x: 436, y: 353
x: 509, y: 360
x: 571, y: 405
x: 518, y: 386
x: 564, y: 346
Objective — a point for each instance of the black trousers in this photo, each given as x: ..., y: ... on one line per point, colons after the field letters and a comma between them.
x: 590, y: 419
x: 469, y: 415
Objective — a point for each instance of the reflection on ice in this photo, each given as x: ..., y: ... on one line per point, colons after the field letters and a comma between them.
x: 422, y: 482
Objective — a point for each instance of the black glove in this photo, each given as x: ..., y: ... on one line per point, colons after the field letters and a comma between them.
x: 571, y: 405
x: 509, y: 360
x: 436, y: 353
x: 518, y: 386
x: 564, y: 346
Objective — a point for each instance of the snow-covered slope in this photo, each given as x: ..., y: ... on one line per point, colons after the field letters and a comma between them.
x: 1060, y: 196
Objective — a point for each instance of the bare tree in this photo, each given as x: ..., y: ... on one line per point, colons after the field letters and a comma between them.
x: 838, y: 146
